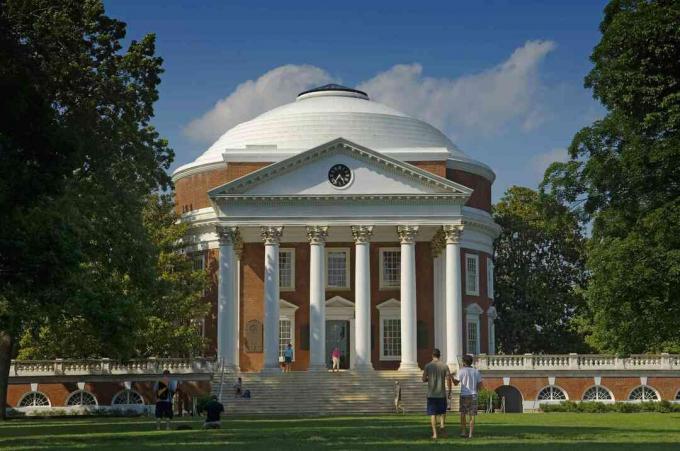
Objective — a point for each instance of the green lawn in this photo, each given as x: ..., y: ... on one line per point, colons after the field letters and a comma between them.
x: 554, y: 431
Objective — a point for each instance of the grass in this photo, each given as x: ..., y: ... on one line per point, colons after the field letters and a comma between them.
x: 555, y: 431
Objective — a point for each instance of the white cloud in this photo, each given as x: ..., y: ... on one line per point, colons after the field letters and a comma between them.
x: 539, y: 163
x: 253, y: 97
x: 478, y: 103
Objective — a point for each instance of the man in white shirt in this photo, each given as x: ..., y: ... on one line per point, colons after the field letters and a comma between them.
x: 470, y: 380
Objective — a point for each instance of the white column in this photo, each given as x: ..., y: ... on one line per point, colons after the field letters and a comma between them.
x: 454, y: 296
x: 409, y: 345
x: 317, y: 294
x: 362, y: 297
x: 226, y: 299
x: 238, y: 252
x: 271, y: 237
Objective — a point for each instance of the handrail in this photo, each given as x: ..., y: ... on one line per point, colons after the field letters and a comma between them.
x: 219, y: 394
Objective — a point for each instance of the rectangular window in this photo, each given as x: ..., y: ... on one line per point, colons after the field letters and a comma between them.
x: 489, y: 277
x: 473, y: 337
x: 390, y: 267
x: 287, y: 269
x: 472, y: 274
x: 285, y: 335
x: 337, y: 268
x: 198, y: 262
x: 391, y: 339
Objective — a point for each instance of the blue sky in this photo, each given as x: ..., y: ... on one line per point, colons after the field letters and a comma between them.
x: 504, y: 79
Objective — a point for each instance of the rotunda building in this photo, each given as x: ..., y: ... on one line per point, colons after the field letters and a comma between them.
x: 338, y: 222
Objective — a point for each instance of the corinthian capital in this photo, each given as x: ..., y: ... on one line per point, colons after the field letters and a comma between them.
x: 452, y: 233
x: 362, y: 234
x: 438, y: 243
x: 317, y: 234
x: 271, y: 234
x: 226, y: 234
x: 407, y: 234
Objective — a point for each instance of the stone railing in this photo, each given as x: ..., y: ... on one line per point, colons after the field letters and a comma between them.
x: 60, y: 367
x: 577, y: 362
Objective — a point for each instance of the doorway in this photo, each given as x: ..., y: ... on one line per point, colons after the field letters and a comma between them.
x: 337, y: 334
x: 513, y: 398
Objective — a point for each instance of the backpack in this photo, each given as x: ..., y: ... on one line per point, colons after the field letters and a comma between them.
x: 246, y: 394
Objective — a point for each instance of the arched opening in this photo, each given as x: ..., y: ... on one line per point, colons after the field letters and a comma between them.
x: 513, y: 398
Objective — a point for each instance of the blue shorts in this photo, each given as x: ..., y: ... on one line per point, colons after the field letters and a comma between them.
x: 436, y: 406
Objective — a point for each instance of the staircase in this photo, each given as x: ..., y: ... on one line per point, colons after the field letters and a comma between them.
x: 323, y: 393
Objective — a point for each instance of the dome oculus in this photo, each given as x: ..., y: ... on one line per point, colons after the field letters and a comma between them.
x: 339, y: 175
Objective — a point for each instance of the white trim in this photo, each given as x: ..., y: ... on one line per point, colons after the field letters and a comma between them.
x: 113, y: 398
x: 346, y: 251
x: 287, y: 311
x: 611, y: 394
x: 566, y: 395
x: 472, y: 316
x: 291, y: 251
x: 32, y: 391
x: 81, y: 391
x: 489, y: 277
x: 468, y: 291
x: 388, y: 310
x: 658, y: 395
x: 382, y: 285
x: 339, y: 308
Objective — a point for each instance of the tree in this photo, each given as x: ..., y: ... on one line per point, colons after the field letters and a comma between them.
x: 539, y: 273
x: 624, y: 176
x: 165, y: 322
x: 78, y: 157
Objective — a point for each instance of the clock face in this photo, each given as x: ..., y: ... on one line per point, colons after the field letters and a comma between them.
x: 339, y: 175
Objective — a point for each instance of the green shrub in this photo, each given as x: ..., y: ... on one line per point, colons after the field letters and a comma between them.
x: 621, y: 407
x: 486, y: 397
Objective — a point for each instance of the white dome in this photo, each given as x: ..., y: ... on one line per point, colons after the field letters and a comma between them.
x: 323, y: 114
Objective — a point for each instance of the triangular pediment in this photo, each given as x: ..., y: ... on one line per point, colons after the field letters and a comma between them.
x: 372, y: 174
x: 339, y: 302
x: 389, y: 304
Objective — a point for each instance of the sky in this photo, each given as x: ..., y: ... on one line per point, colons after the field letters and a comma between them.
x: 503, y: 79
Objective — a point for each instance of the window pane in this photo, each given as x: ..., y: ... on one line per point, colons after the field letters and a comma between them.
x: 285, y: 269
x: 392, y: 338
x: 285, y: 335
x: 472, y: 333
x: 337, y: 269
x: 471, y: 275
x: 391, y: 270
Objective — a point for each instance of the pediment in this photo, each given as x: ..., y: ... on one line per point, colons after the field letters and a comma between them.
x: 339, y: 302
x: 285, y: 305
x: 372, y: 174
x: 389, y: 304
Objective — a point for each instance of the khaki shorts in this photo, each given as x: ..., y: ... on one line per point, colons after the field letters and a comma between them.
x: 468, y: 405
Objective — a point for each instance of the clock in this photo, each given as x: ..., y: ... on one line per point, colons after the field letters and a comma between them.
x: 339, y: 175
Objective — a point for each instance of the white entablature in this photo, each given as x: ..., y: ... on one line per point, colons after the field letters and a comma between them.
x: 297, y: 191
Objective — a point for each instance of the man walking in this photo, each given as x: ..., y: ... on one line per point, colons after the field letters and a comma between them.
x: 164, y: 390
x: 470, y: 380
x: 438, y: 378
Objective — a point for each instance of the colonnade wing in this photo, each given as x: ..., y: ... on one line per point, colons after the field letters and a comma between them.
x: 339, y: 181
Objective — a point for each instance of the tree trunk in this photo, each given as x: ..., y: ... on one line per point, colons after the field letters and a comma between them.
x: 6, y: 348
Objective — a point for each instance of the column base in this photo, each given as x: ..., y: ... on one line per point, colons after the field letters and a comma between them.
x: 271, y: 370
x: 363, y: 368
x: 317, y: 368
x: 409, y: 367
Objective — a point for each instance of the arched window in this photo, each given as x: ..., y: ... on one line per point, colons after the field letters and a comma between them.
x: 643, y: 393
x: 81, y: 398
x: 677, y: 396
x: 597, y: 393
x: 552, y: 393
x: 126, y: 398
x: 34, y: 399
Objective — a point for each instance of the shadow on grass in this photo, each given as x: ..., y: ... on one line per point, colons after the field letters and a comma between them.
x: 393, y: 432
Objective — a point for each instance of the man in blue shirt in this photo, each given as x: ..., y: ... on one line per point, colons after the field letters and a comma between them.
x: 164, y: 391
x: 288, y: 357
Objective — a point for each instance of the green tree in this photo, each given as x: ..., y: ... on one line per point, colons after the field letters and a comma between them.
x: 539, y: 274
x: 624, y: 176
x: 165, y: 321
x: 78, y: 158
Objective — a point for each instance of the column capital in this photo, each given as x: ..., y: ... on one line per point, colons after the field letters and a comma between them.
x: 226, y: 234
x: 362, y: 234
x: 452, y: 233
x: 438, y: 243
x: 317, y: 234
x: 407, y: 233
x: 238, y: 246
x: 271, y: 234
